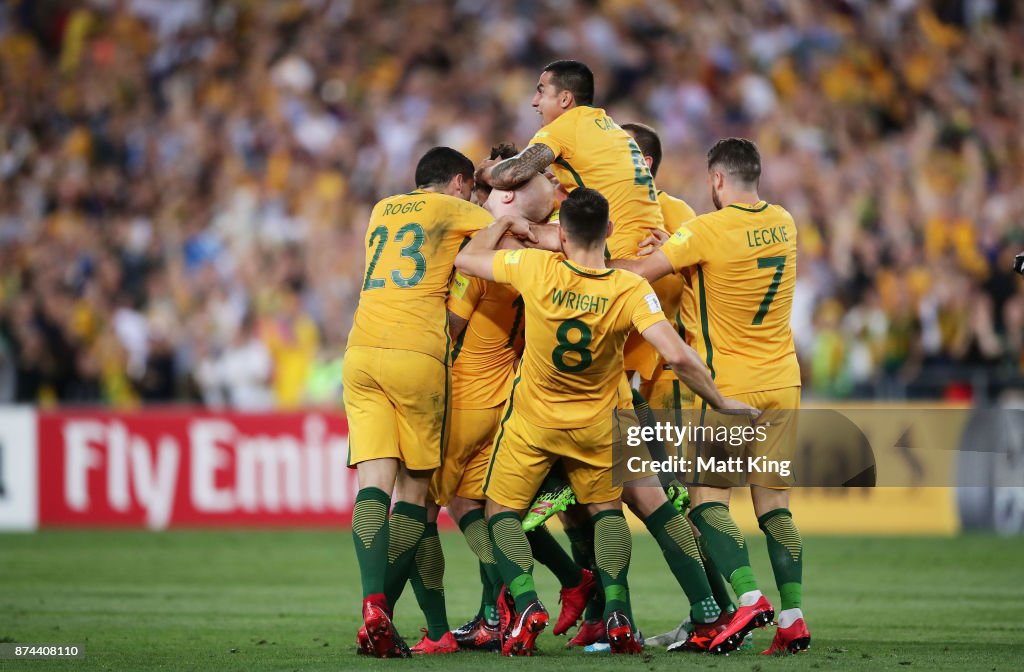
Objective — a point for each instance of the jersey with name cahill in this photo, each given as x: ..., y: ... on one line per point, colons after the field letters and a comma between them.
x: 411, y: 243
x: 743, y: 260
x: 485, y: 353
x: 592, y: 151
x: 577, y: 321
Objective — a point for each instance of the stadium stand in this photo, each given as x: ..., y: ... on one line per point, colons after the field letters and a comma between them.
x: 183, y: 191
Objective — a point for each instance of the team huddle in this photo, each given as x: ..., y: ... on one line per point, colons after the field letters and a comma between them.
x: 505, y: 309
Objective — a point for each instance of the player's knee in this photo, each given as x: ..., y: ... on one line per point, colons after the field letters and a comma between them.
x: 767, y: 499
x: 460, y: 506
x: 643, y: 501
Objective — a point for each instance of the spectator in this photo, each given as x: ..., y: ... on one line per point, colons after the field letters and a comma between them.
x: 166, y: 170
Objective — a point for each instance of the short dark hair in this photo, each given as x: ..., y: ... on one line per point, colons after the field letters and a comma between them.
x: 504, y: 150
x: 574, y: 77
x: 584, y: 216
x: 738, y: 157
x: 648, y: 141
x: 440, y: 164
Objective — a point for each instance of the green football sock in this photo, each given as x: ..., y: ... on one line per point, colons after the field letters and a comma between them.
x: 715, y: 580
x: 512, y: 551
x: 581, y: 544
x: 675, y: 537
x: 474, y: 529
x: 786, y: 551
x: 428, y: 582
x: 548, y: 552
x: 656, y: 448
x: 405, y: 529
x: 613, y: 546
x: 370, y: 534
x: 726, y: 544
x: 488, y: 601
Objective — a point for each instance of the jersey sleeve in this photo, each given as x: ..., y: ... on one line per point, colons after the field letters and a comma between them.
x: 512, y: 267
x: 645, y: 310
x: 464, y: 294
x: 559, y: 136
x: 688, y: 245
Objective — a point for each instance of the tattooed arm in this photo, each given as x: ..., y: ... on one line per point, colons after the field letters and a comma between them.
x: 521, y: 167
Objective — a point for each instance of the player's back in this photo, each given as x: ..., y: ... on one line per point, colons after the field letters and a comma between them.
x: 411, y: 243
x: 577, y: 321
x: 485, y: 353
x: 744, y: 295
x: 593, y: 151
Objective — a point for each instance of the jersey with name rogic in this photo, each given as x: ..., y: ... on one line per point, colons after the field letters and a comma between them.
x: 743, y: 260
x: 411, y: 243
x: 577, y: 321
x: 485, y: 353
x: 592, y: 151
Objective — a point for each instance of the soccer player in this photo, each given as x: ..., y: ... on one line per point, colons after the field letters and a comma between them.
x: 578, y: 315
x: 486, y: 322
x: 584, y: 146
x: 664, y: 391
x: 743, y: 257
x: 396, y: 375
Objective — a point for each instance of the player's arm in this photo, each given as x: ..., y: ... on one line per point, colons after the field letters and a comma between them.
x: 512, y: 172
x: 686, y: 364
x: 548, y: 237
x: 652, y: 267
x: 477, y: 257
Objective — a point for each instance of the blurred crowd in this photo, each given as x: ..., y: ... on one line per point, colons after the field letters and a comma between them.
x: 184, y: 186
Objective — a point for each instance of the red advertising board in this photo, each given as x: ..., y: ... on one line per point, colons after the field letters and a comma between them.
x: 192, y: 468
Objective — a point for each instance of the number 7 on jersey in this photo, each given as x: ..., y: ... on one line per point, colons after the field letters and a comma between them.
x: 779, y: 263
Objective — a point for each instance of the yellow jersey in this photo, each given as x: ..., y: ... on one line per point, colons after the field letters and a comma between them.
x: 675, y: 291
x: 592, y: 151
x: 744, y: 272
x: 411, y: 243
x: 485, y: 353
x: 577, y: 321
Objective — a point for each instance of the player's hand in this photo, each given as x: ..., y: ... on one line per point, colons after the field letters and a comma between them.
x: 521, y: 228
x: 1018, y: 263
x: 734, y: 407
x: 652, y: 242
x: 483, y: 171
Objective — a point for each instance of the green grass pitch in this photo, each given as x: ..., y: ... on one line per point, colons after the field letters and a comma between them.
x: 290, y: 601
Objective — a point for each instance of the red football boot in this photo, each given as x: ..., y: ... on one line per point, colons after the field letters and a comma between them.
x: 522, y: 637
x: 794, y: 639
x: 574, y: 601
x: 744, y: 619
x: 478, y: 636
x: 363, y: 646
x: 700, y: 638
x: 446, y: 644
x: 620, y: 634
x: 385, y: 642
x: 589, y: 632
x: 506, y: 613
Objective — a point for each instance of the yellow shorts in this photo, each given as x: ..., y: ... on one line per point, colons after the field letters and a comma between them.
x: 524, y: 453
x: 468, y: 455
x: 667, y: 392
x: 779, y: 420
x: 397, y: 406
